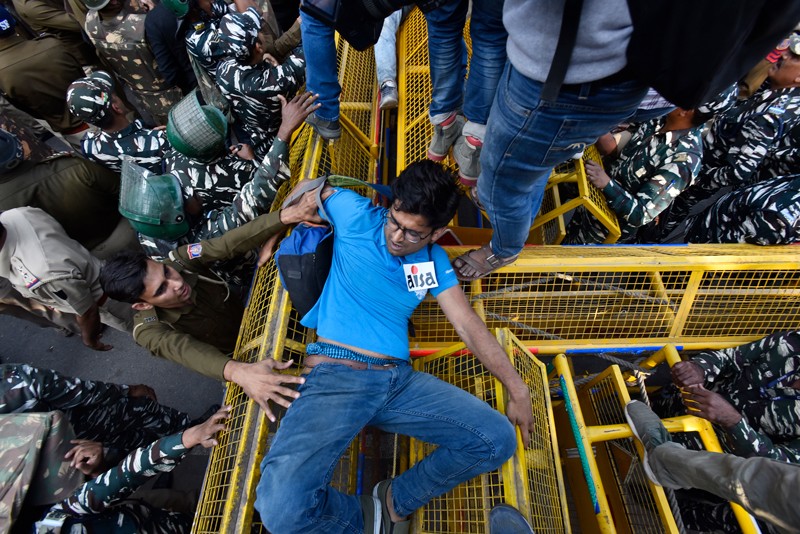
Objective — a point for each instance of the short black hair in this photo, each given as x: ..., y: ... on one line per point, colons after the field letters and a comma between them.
x: 122, y: 277
x: 429, y: 189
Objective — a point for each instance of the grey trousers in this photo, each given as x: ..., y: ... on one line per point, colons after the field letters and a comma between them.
x: 766, y: 488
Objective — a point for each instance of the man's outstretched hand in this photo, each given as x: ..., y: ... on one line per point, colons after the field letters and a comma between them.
x: 205, y: 433
x: 263, y: 384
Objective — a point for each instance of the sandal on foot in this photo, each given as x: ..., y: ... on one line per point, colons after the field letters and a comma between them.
x: 482, y: 260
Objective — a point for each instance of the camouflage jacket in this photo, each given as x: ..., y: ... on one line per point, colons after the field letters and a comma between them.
x: 147, y: 147
x: 755, y: 378
x: 739, y: 141
x: 253, y: 93
x: 98, y: 506
x: 785, y: 159
x: 233, y: 190
x: 652, y: 169
x: 24, y: 388
x: 121, y: 42
x: 202, y: 42
x: 767, y: 213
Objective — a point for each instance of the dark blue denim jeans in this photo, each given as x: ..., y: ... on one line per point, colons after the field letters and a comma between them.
x: 322, y: 75
x: 335, y: 403
x: 526, y: 137
x: 446, y: 51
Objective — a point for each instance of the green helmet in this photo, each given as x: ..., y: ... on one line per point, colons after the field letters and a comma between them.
x: 198, y: 132
x: 96, y: 4
x: 178, y: 7
x: 152, y: 203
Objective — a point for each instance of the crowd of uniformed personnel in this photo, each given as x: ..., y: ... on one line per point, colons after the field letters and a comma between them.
x: 142, y: 145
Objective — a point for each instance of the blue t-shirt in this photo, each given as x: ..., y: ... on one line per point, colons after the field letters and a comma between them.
x: 366, y: 301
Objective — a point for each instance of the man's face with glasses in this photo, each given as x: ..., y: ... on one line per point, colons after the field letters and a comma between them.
x: 406, y: 233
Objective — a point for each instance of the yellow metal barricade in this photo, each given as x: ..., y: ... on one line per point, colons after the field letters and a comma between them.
x: 695, y: 296
x: 531, y: 480
x: 603, y: 461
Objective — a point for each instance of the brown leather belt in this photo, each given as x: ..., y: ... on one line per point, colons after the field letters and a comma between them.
x: 312, y: 360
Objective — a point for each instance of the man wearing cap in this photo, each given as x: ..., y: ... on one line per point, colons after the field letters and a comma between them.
x: 739, y: 140
x: 661, y: 159
x: 251, y: 83
x: 766, y: 213
x: 185, y: 314
x: 92, y: 100
x: 44, y: 264
x: 21, y: 63
x: 119, y: 38
x: 81, y: 195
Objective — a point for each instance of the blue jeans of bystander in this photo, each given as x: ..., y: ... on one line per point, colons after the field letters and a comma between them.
x: 322, y: 76
x: 336, y: 402
x: 526, y: 137
x: 446, y: 51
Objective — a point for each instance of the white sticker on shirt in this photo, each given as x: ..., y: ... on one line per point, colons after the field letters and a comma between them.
x: 420, y: 277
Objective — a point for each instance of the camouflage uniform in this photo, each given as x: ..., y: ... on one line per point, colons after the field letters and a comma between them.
x: 652, y: 170
x: 755, y: 379
x: 253, y: 90
x: 147, y: 147
x: 737, y: 144
x: 98, y: 411
x: 199, y: 335
x: 120, y: 42
x: 101, y: 505
x: 202, y: 42
x: 45, y: 438
x: 767, y: 213
x: 785, y: 159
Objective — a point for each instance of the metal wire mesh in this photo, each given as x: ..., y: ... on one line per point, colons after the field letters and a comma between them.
x: 531, y: 480
x: 696, y: 294
x: 634, y: 507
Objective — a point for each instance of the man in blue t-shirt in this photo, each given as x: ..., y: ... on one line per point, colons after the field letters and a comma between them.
x: 358, y: 372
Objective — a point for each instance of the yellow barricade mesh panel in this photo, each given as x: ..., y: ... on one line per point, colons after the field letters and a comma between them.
x: 625, y: 482
x: 640, y: 295
x: 530, y: 481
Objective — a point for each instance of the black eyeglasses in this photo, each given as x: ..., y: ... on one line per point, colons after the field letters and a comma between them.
x: 411, y: 236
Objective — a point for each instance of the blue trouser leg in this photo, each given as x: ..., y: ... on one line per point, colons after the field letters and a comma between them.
x: 446, y: 51
x: 526, y: 137
x: 386, y: 48
x: 488, y: 37
x: 322, y: 76
x: 335, y: 403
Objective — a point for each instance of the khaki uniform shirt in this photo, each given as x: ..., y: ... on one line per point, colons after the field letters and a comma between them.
x: 45, y: 265
x: 201, y: 335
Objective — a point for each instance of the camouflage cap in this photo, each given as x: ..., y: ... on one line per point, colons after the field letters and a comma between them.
x: 794, y: 44
x: 11, y: 153
x: 239, y: 33
x: 720, y: 103
x: 7, y: 22
x: 89, y: 99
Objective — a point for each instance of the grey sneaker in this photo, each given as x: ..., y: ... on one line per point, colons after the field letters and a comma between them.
x: 467, y: 153
x: 648, y: 429
x: 371, y: 508
x: 328, y: 130
x: 444, y: 135
x: 505, y: 519
x: 387, y: 526
x: 389, y: 96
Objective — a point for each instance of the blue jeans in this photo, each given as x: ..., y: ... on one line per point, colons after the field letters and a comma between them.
x: 336, y: 402
x: 386, y: 48
x: 526, y: 137
x: 322, y: 75
x: 446, y: 51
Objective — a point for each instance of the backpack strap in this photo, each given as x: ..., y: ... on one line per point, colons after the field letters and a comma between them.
x: 566, y: 43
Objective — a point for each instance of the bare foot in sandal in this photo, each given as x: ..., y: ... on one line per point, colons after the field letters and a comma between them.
x: 478, y: 263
